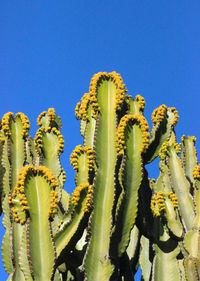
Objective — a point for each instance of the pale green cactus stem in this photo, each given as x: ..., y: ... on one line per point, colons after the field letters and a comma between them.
x: 188, y: 156
x: 196, y: 177
x: 2, y: 172
x: 83, y: 112
x: 131, y: 141
x: 179, y: 182
x: 145, y: 258
x: 35, y: 200
x: 164, y: 205
x: 46, y: 150
x: 49, y: 142
x: 192, y: 269
x: 107, y: 95
x: 75, y: 220
x: 14, y: 130
x: 164, y: 120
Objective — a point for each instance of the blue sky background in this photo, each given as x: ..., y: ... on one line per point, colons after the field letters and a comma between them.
x: 49, y: 51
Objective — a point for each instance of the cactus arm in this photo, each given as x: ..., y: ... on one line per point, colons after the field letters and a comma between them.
x: 15, y: 130
x: 145, y: 258
x: 192, y: 268
x: 23, y: 260
x: 165, y: 264
x: 133, y: 248
x: 49, y: 141
x: 7, y: 247
x: 188, y: 156
x: 72, y: 229
x: 84, y: 112
x: 196, y: 177
x: 74, y: 223
x: 180, y: 186
x: 35, y: 200
x: 107, y: 93
x: 2, y: 172
x: 164, y: 120
x: 90, y: 129
x: 169, y: 200
x: 32, y: 156
x: 135, y: 135
x: 192, y: 243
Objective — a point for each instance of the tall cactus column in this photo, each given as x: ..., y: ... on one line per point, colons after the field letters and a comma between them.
x: 14, y: 132
x: 106, y: 93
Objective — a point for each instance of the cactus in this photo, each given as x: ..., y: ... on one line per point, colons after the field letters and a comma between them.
x: 116, y: 219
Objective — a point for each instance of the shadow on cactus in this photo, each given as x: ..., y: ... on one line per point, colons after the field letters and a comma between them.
x: 116, y: 219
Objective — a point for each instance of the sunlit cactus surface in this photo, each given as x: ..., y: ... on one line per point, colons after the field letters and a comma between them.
x: 117, y: 219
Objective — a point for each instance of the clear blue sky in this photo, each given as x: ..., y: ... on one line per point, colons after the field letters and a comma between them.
x: 49, y: 51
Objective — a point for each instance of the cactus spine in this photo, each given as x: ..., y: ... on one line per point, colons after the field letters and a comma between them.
x: 116, y: 219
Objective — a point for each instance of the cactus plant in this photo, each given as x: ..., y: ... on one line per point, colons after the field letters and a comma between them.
x: 116, y: 219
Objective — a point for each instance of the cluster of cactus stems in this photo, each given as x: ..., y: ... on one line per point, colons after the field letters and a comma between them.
x: 116, y: 219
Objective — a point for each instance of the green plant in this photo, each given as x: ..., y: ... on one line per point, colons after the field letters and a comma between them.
x: 117, y: 218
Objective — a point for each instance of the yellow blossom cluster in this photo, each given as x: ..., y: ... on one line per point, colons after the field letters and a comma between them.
x: 51, y: 114
x: 183, y: 138
x: 196, y: 172
x: 175, y: 120
x: 164, y: 150
x: 81, y: 108
x: 60, y: 140
x: 77, y: 110
x: 53, y: 203
x: 19, y: 188
x: 50, y: 117
x: 47, y: 174
x: 173, y: 198
x: 159, y: 114
x: 76, y: 193
x: 38, y: 139
x: 120, y: 89
x: 76, y: 196
x: 25, y: 123
x: 5, y: 123
x: 42, y: 114
x: 16, y: 216
x: 77, y: 152
x: 177, y: 148
x: 120, y: 137
x: 89, y: 196
x: 141, y: 102
x: 63, y: 175
x: 158, y: 202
